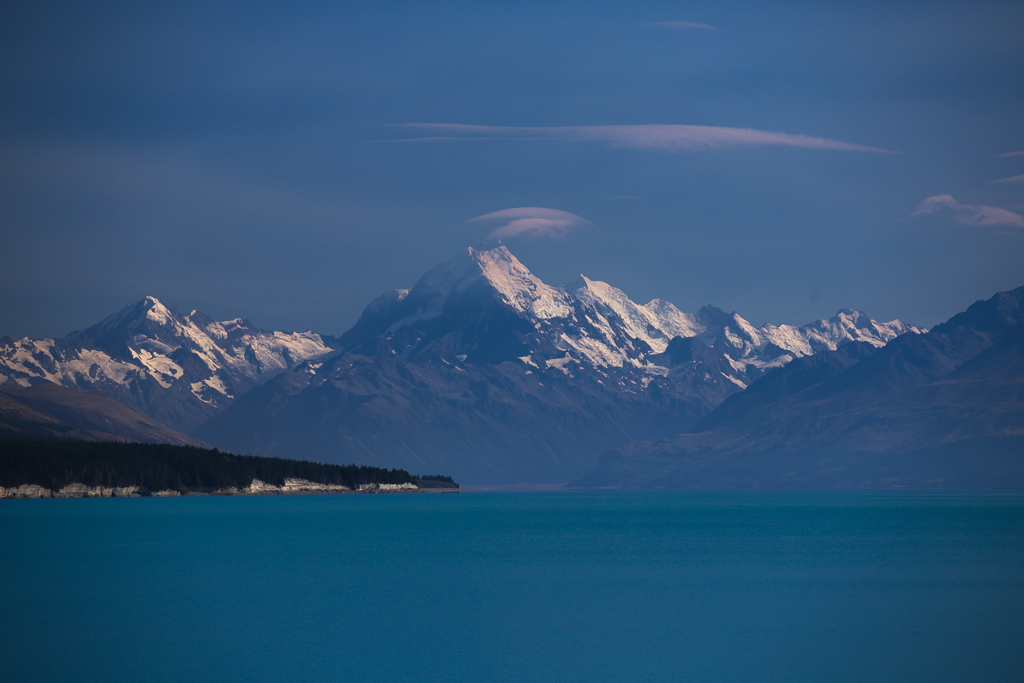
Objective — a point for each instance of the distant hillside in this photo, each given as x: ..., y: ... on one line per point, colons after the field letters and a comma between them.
x: 50, y: 410
x: 19, y: 421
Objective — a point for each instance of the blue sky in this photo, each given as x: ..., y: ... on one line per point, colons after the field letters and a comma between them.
x: 256, y: 160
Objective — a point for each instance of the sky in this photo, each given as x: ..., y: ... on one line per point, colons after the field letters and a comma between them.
x: 289, y: 162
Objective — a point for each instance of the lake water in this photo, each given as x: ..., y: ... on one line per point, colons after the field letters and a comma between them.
x: 514, y: 587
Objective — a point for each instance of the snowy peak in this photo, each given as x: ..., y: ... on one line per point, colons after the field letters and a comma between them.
x: 495, y: 265
x: 853, y: 317
x: 128, y: 319
x: 614, y: 306
x: 149, y: 344
x: 587, y: 321
x: 727, y: 331
x: 493, y: 271
x: 670, y: 320
x: 449, y: 276
x: 147, y: 322
x: 520, y: 288
x: 656, y: 322
x: 499, y: 269
x: 857, y: 326
x: 846, y: 326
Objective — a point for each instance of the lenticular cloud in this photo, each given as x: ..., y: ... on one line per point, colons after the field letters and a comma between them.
x: 665, y: 137
x: 970, y: 214
x: 531, y: 221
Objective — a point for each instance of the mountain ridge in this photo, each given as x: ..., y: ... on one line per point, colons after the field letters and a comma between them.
x: 178, y: 369
x: 939, y: 410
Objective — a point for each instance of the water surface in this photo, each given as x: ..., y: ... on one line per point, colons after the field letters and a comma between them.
x: 514, y: 587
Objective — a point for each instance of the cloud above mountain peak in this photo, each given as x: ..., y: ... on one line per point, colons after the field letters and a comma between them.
x: 531, y: 221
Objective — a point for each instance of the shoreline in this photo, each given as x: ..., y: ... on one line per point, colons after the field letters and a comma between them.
x: 291, y: 487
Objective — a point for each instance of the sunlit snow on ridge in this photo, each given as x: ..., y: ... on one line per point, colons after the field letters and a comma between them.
x: 595, y: 324
x: 148, y: 334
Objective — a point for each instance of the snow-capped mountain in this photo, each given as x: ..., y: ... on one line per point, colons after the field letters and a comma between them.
x: 937, y: 411
x: 480, y: 370
x: 179, y: 369
x: 484, y: 371
x: 587, y: 323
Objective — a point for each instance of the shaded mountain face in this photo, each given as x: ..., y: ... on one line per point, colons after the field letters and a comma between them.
x: 942, y: 410
x: 53, y: 411
x: 178, y: 369
x: 484, y: 371
x: 19, y: 421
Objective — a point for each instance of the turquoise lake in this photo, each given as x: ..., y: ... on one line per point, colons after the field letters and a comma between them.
x: 514, y: 587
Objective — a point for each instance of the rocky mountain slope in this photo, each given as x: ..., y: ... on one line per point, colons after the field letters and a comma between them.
x: 942, y: 410
x: 485, y: 371
x: 178, y: 369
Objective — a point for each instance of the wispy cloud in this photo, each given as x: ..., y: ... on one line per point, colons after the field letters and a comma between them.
x: 664, y: 137
x: 1011, y: 179
x: 1011, y: 154
x: 532, y: 221
x: 970, y: 214
x: 685, y: 26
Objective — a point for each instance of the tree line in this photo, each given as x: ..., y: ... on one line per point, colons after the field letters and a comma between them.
x: 56, y: 463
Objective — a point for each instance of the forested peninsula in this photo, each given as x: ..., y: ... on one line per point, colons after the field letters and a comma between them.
x: 74, y: 469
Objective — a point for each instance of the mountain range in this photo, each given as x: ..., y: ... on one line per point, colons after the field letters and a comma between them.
x: 942, y: 410
x: 178, y: 369
x: 483, y: 370
x: 480, y: 370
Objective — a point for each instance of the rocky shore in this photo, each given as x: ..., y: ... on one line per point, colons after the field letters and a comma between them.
x: 256, y: 488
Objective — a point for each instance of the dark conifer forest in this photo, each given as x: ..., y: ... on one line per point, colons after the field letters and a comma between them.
x: 57, y: 463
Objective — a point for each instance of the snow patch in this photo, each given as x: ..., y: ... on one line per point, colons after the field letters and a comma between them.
x: 161, y: 368
x: 520, y: 288
x: 735, y: 381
